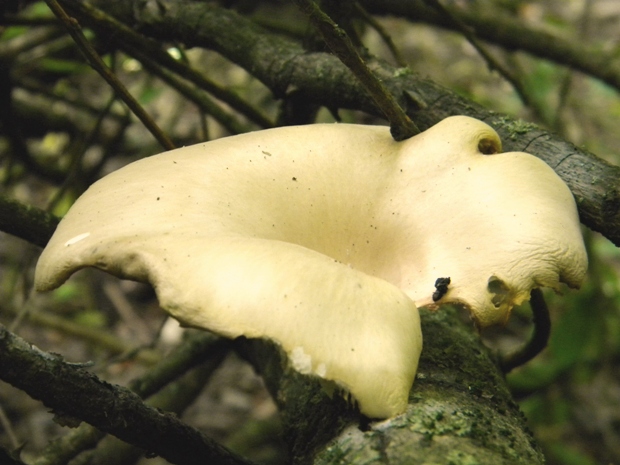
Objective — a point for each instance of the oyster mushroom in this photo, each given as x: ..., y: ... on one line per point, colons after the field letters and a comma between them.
x: 324, y: 238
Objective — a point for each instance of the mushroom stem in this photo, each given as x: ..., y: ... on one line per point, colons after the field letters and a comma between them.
x: 539, y: 338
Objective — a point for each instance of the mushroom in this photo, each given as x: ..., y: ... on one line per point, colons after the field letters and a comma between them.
x: 326, y: 238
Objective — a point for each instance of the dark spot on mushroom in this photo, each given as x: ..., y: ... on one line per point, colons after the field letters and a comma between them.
x: 294, y: 178
x: 441, y: 286
x: 499, y: 290
x: 488, y: 147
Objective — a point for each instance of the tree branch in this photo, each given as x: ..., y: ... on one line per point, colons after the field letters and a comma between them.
x: 29, y: 223
x: 148, y: 52
x: 94, y: 337
x: 198, y: 348
x: 281, y: 63
x: 492, y: 63
x: 98, y: 65
x: 460, y: 409
x: 496, y: 27
x: 70, y: 390
x: 339, y: 43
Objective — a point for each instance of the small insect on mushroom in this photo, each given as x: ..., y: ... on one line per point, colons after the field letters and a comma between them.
x: 441, y: 286
x: 249, y: 258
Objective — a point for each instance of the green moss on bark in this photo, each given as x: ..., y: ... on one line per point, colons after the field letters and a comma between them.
x: 26, y: 222
x: 460, y: 410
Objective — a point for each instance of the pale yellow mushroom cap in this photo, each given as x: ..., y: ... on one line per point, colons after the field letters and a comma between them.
x: 322, y: 237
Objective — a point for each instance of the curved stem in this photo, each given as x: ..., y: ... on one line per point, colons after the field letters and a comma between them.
x: 540, y: 336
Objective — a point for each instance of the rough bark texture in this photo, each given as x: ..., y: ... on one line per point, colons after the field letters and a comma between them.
x: 29, y: 223
x: 460, y: 409
x: 310, y: 417
x: 282, y: 65
x: 70, y: 392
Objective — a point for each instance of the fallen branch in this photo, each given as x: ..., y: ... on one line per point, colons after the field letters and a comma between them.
x: 73, y: 393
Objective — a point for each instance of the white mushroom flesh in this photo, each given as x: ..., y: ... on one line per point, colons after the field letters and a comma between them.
x: 323, y: 238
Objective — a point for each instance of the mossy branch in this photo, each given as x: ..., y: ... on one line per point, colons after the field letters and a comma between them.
x: 26, y: 222
x: 460, y: 409
x: 198, y: 348
x: 495, y: 26
x: 69, y: 390
x: 281, y: 64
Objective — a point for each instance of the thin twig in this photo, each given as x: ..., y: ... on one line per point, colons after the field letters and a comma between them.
x: 9, y: 119
x: 389, y: 43
x: 481, y: 49
x: 340, y: 44
x: 197, y: 348
x: 93, y: 58
x: 76, y: 168
x: 70, y: 390
x: 140, y: 48
x: 566, y: 83
x: 94, y: 337
x: 540, y: 336
x: 197, y: 95
x: 21, y: 44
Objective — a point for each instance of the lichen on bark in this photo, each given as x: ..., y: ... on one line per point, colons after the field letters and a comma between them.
x: 460, y: 409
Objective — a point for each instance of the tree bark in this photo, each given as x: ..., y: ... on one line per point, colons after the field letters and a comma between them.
x: 29, y: 223
x: 75, y: 395
x: 282, y: 64
x: 460, y: 410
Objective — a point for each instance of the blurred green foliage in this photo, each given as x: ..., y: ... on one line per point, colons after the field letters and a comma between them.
x: 570, y: 393
x: 584, y: 345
